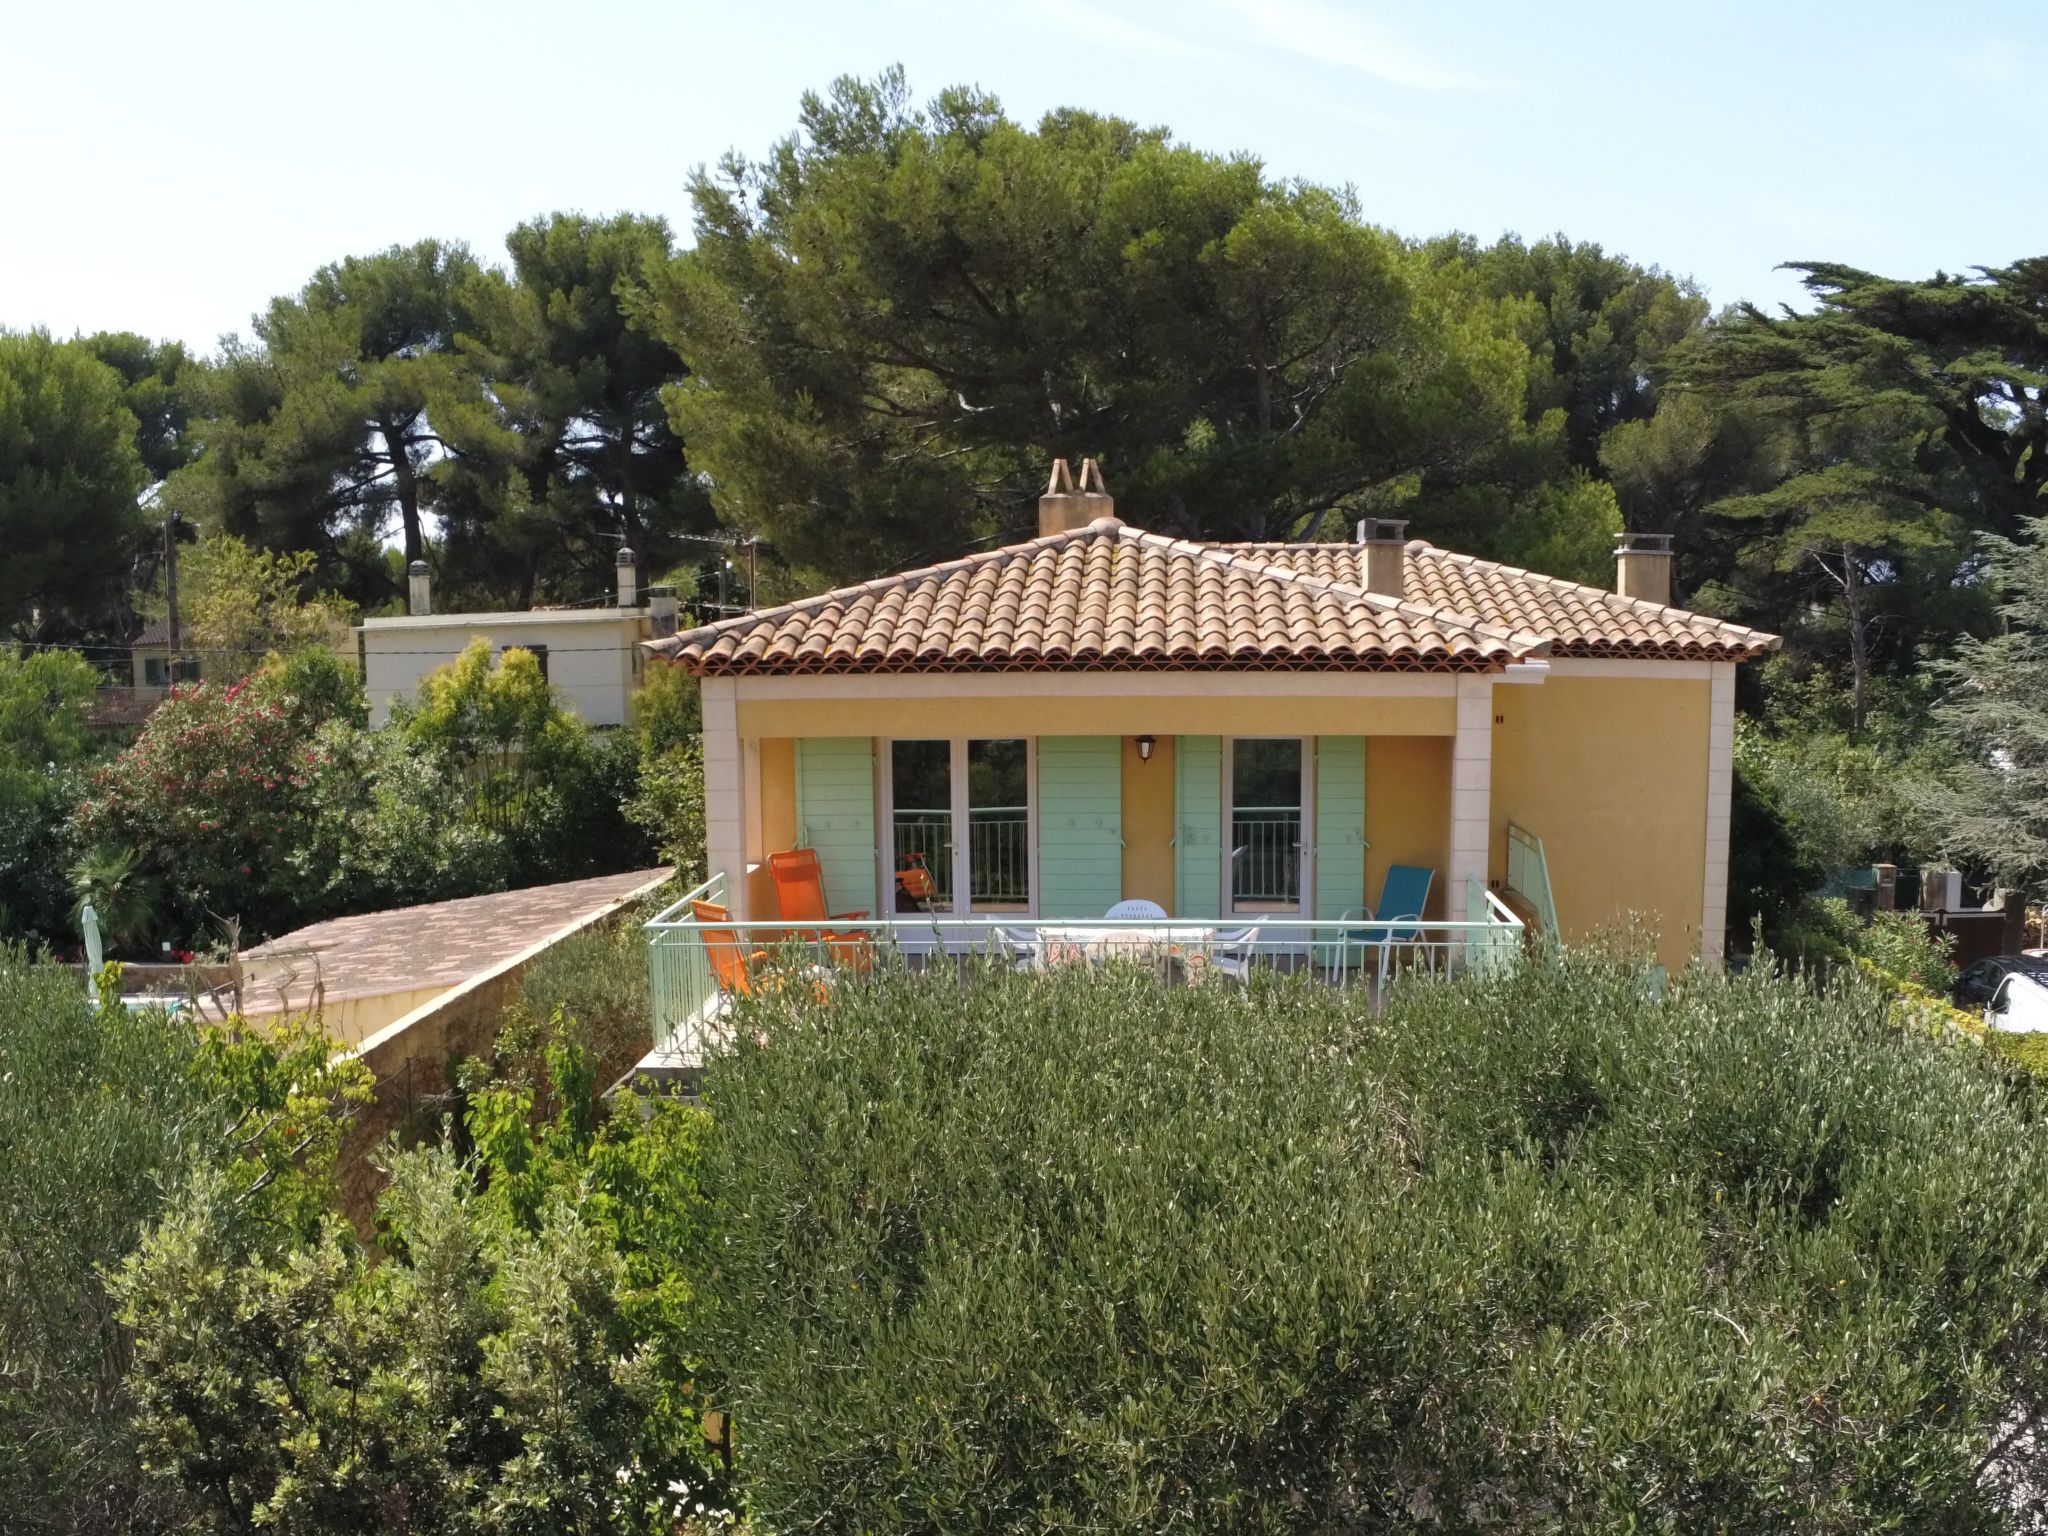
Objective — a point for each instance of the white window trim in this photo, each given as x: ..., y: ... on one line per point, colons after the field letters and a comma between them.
x: 1307, y: 857
x: 885, y: 839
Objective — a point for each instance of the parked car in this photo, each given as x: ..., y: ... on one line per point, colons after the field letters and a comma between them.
x: 2019, y: 1006
x: 2012, y: 990
x: 1979, y: 982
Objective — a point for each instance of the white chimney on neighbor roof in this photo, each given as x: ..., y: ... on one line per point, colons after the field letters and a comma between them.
x: 1642, y: 567
x: 1069, y: 504
x: 661, y: 611
x: 419, y: 600
x: 1386, y: 555
x: 629, y: 579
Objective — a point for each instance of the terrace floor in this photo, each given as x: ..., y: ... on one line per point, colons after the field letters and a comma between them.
x: 359, y: 968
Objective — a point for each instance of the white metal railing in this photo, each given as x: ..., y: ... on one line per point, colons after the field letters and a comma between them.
x: 998, y: 853
x: 1529, y: 878
x: 927, y: 838
x: 1265, y: 854
x: 687, y: 957
x: 679, y: 976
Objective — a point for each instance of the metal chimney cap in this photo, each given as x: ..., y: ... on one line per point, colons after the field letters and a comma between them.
x: 417, y: 568
x: 625, y: 556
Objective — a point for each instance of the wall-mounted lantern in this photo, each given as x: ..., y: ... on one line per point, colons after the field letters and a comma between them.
x: 1145, y: 746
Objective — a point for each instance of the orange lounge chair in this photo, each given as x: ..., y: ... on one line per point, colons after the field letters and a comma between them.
x: 914, y: 881
x: 732, y: 964
x: 800, y: 898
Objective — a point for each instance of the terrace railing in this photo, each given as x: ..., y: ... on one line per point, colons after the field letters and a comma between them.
x: 1265, y: 855
x: 689, y: 1008
x: 1529, y: 878
x: 998, y: 853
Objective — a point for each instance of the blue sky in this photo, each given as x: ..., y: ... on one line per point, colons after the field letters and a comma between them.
x: 167, y: 168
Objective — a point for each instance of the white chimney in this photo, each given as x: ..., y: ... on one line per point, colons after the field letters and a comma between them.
x: 1067, y: 505
x: 1642, y: 567
x: 661, y: 611
x: 629, y: 579
x: 1386, y: 555
x: 419, y: 602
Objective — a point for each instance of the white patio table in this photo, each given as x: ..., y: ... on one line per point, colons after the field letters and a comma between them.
x: 1086, y: 943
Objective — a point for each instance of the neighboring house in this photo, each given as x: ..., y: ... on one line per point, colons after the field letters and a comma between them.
x: 592, y: 656
x: 152, y: 667
x: 1229, y: 730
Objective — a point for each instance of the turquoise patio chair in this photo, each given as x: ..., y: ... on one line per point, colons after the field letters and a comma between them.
x: 1396, y: 920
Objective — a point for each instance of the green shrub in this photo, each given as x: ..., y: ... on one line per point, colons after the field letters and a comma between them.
x: 591, y: 988
x: 45, y: 744
x: 517, y: 1358
x: 1530, y: 1253
x: 1900, y: 944
x: 104, y: 1114
x: 668, y: 805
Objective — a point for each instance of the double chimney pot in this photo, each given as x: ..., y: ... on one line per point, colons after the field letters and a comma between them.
x: 1071, y: 501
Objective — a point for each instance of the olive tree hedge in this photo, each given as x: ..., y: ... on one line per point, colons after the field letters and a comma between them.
x: 1540, y: 1252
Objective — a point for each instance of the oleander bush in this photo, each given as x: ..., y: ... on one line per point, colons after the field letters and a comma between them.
x: 1540, y: 1252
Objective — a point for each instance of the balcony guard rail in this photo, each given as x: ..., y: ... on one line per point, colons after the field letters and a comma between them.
x: 688, y: 1003
x: 1265, y: 854
x: 998, y: 852
x: 1529, y: 878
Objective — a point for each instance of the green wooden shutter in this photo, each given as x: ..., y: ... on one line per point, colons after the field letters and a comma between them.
x: 835, y: 814
x: 1080, y: 825
x: 1340, y: 824
x: 1198, y: 827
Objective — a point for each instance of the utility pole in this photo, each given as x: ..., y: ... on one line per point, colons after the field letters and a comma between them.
x: 171, y: 586
x: 753, y: 573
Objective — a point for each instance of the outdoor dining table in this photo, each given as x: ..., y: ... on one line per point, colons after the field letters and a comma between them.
x: 1088, y: 943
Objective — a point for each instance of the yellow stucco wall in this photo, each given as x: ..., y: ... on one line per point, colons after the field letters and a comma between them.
x: 1098, y: 715
x: 778, y: 794
x: 1148, y: 823
x: 1408, y: 811
x: 778, y: 820
x: 1611, y: 772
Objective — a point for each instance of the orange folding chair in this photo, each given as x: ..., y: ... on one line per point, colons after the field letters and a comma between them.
x: 800, y: 898
x: 914, y: 880
x: 732, y: 964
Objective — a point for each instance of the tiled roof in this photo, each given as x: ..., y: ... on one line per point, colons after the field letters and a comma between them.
x: 155, y: 632
x: 1577, y: 620
x: 1110, y: 597
x: 113, y: 707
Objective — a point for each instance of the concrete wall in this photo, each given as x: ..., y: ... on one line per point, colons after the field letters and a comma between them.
x: 413, y: 1058
x: 351, y: 1020
x: 594, y: 660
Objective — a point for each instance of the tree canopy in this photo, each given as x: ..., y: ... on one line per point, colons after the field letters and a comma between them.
x: 896, y: 319
x: 70, y: 473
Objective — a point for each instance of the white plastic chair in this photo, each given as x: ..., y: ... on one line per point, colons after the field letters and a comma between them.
x: 1136, y: 907
x: 1230, y: 953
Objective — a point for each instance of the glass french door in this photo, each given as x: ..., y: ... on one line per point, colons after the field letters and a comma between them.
x: 1266, y: 788
x: 960, y: 825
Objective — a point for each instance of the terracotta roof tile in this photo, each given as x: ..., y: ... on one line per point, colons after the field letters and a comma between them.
x: 1112, y: 597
